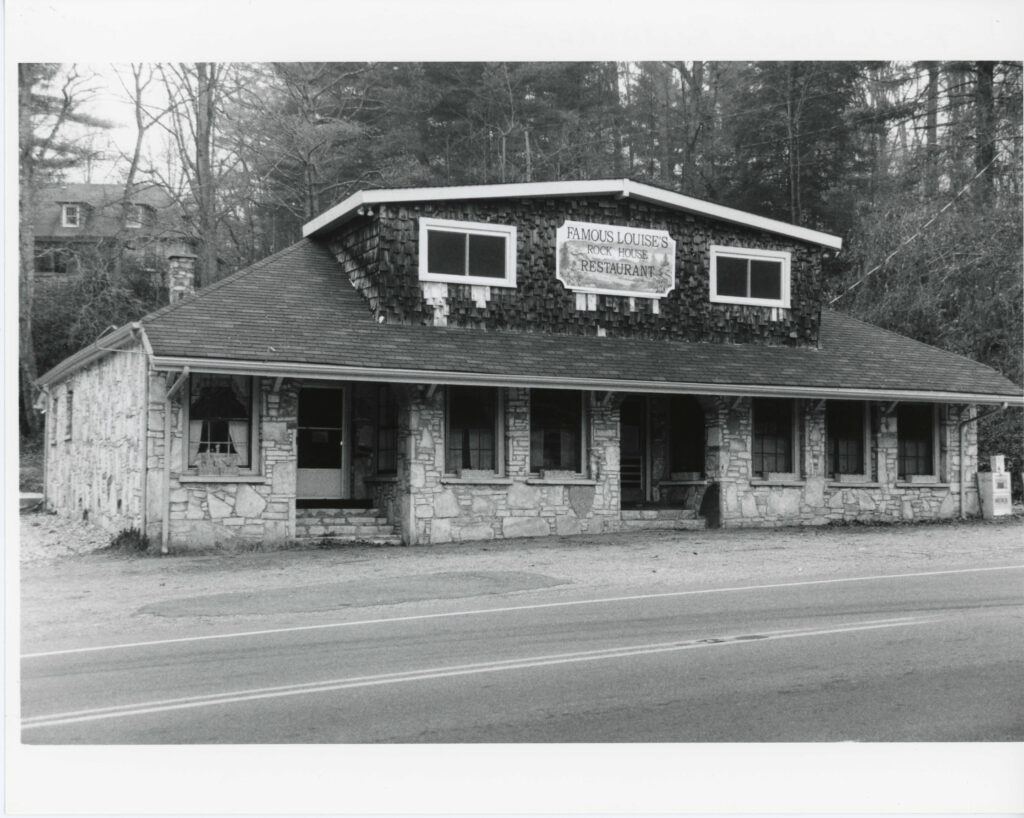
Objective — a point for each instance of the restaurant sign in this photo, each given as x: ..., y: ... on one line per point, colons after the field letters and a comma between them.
x: 611, y: 260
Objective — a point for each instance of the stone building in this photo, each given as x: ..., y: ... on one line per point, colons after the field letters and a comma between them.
x: 470, y: 363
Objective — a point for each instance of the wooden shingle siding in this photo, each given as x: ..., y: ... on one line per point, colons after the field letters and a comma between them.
x: 540, y: 302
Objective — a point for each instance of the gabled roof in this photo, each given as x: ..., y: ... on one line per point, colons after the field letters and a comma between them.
x: 103, y: 217
x: 296, y: 314
x: 625, y: 188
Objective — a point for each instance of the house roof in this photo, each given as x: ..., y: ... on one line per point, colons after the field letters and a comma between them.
x: 103, y: 218
x: 296, y: 314
x: 623, y: 188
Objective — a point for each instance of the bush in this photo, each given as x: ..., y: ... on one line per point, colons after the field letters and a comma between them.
x: 129, y: 539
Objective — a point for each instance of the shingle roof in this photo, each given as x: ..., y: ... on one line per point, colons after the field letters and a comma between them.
x: 297, y: 310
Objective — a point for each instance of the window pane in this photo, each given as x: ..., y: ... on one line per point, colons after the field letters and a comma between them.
x: 320, y: 407
x: 487, y: 256
x: 773, y: 436
x: 446, y: 252
x: 914, y: 429
x: 732, y: 276
x: 471, y: 429
x: 555, y: 430
x: 220, y: 428
x: 765, y: 279
x: 844, y: 421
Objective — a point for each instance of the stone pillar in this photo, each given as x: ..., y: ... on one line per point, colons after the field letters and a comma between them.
x: 181, y: 276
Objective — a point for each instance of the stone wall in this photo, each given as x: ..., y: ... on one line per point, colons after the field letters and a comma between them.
x: 437, y: 508
x: 815, y: 498
x: 208, y: 509
x: 94, y: 463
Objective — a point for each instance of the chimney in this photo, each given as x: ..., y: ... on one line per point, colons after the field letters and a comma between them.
x: 181, y: 276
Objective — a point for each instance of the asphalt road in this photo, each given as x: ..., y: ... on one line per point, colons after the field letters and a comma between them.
x: 926, y: 657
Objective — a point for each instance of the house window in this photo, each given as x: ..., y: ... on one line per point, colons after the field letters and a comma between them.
x: 54, y: 420
x: 133, y: 216
x: 467, y: 252
x: 69, y: 410
x: 556, y: 430
x: 387, y: 431
x: 757, y: 277
x: 474, y: 439
x: 71, y: 215
x: 774, y: 437
x: 917, y: 434
x: 220, y: 423
x: 847, y: 427
x: 686, y: 435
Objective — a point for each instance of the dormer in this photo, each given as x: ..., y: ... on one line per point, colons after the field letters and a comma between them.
x: 72, y: 214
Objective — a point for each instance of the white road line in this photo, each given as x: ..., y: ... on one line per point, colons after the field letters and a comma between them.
x: 428, y: 674
x: 507, y: 609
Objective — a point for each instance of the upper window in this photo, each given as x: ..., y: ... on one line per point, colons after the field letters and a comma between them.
x: 220, y: 423
x: 757, y: 277
x: 847, y: 425
x: 71, y: 215
x: 467, y: 252
x: 556, y: 430
x: 917, y: 433
x: 133, y: 216
x: 774, y: 437
x: 474, y: 431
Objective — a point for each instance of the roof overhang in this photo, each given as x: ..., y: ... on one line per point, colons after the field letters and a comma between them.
x: 451, y: 378
x: 116, y: 340
x: 624, y: 188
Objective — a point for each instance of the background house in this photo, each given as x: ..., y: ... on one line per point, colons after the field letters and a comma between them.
x: 95, y: 227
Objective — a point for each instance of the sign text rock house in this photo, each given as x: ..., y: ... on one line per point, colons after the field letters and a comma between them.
x: 514, y: 360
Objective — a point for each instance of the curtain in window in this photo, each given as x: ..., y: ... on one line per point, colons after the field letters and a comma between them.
x: 219, y: 422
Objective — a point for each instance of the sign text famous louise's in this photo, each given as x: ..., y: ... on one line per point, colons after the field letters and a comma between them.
x: 612, y: 260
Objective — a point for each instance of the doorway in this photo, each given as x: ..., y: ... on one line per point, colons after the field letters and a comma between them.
x: 323, y: 457
x: 633, y: 448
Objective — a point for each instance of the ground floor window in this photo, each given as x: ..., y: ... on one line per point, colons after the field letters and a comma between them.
x: 916, y: 432
x: 686, y: 435
x: 847, y: 428
x: 774, y: 437
x: 556, y: 430
x: 220, y: 422
x: 474, y: 433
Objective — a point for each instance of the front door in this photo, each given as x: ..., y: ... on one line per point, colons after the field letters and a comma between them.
x: 321, y: 473
x: 633, y: 450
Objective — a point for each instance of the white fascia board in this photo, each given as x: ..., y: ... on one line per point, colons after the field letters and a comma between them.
x: 328, y: 372
x: 621, y: 187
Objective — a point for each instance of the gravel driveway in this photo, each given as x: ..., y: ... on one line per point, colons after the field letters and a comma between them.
x: 72, y: 594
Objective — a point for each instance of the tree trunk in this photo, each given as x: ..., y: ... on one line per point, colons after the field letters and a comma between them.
x: 206, y: 81
x: 985, y: 152
x: 26, y: 254
x: 931, y: 179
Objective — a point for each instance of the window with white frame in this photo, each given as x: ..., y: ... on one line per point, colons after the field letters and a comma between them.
x: 71, y: 215
x: 774, y: 437
x: 556, y: 430
x: 917, y: 433
x: 69, y: 412
x: 848, y: 426
x: 133, y: 216
x: 467, y: 252
x: 756, y: 277
x: 220, y: 423
x: 54, y: 420
x: 474, y: 430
